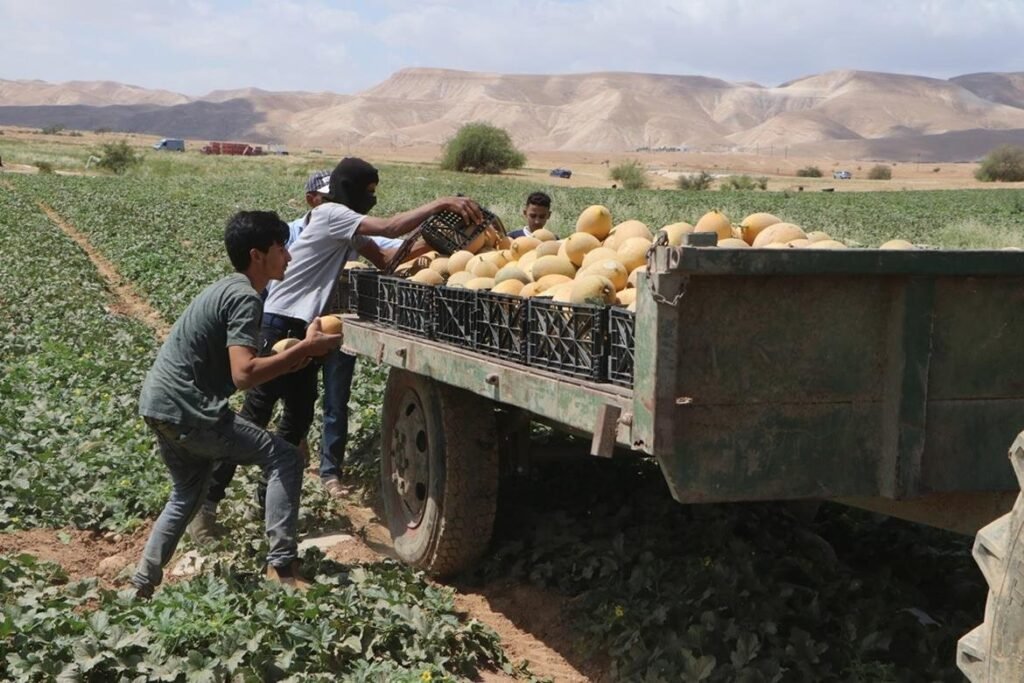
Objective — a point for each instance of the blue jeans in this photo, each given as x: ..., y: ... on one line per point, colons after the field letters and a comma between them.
x: 190, y: 454
x: 338, y: 370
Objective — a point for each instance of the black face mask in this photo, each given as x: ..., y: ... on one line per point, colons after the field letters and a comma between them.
x: 350, y: 182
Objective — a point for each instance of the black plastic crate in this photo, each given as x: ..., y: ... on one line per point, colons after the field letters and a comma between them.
x: 570, y: 339
x: 455, y: 315
x: 501, y: 325
x: 414, y: 308
x: 364, y: 292
x: 621, y: 339
x: 387, y: 300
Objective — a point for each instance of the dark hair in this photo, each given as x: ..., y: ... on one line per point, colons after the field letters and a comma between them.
x: 539, y: 199
x: 252, y: 230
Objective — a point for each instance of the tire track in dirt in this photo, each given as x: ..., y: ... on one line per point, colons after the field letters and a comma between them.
x: 126, y: 300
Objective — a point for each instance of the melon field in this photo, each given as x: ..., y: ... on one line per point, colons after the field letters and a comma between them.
x: 594, y: 572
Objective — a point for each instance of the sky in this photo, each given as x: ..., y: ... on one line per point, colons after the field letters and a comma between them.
x: 196, y: 46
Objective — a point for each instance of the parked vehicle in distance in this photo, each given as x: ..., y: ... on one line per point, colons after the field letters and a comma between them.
x: 561, y: 173
x: 841, y: 175
x: 170, y: 145
x: 236, y: 148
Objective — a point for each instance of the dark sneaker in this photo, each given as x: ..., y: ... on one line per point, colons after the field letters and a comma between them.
x: 288, y: 575
x: 204, y: 529
x: 143, y: 592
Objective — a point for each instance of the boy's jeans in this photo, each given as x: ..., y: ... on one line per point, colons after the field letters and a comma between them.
x: 190, y: 454
x: 338, y: 370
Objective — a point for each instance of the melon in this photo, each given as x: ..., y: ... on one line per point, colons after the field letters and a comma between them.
x: 625, y: 297
x: 504, y: 242
x: 511, y: 272
x: 527, y: 261
x: 477, y: 243
x: 817, y: 236
x: 548, y: 281
x: 827, y: 244
x: 460, y: 278
x: 776, y: 245
x: 752, y: 225
x: 355, y: 265
x: 550, y: 265
x: 521, y: 245
x: 780, y: 232
x: 599, y: 254
x: 595, y: 220
x: 484, y: 269
x: 428, y: 277
x: 561, y: 293
x: 330, y: 324
x: 675, y: 232
x: 508, y: 287
x: 283, y: 345
x: 592, y: 289
x: 549, y: 248
x: 480, y: 283
x: 611, y: 269
x: 528, y: 290
x: 626, y: 229
x: 732, y: 243
x: 440, y: 266
x: 495, y: 258
x: 633, y: 252
x: 631, y: 280
x: 897, y: 245
x: 715, y: 221
x: 544, y: 235
x: 457, y: 261
x: 802, y: 243
x: 578, y: 244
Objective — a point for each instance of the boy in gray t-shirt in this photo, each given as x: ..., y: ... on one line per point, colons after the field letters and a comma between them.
x: 209, y: 354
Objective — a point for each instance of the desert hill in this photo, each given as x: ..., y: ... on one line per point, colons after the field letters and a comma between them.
x: 864, y: 114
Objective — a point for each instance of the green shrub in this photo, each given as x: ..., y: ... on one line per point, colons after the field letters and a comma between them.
x: 701, y: 181
x: 631, y: 174
x: 52, y: 130
x: 481, y: 148
x: 118, y: 157
x: 1003, y: 164
x: 880, y: 172
x: 809, y: 172
x: 744, y: 182
x: 44, y: 166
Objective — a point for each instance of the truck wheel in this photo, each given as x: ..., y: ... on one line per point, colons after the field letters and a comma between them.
x: 439, y: 472
x: 994, y: 651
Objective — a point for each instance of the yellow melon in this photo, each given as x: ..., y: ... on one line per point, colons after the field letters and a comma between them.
x: 478, y: 243
x: 561, y: 293
x: 484, y: 269
x: 827, y: 244
x: 592, y: 289
x: 428, y: 277
x: 504, y: 242
x: 626, y: 229
x: 511, y: 272
x: 715, y: 221
x: 440, y: 266
x: 752, y: 225
x: 528, y: 290
x: 599, y: 254
x: 802, y: 243
x: 897, y: 245
x: 544, y: 235
x: 355, y: 265
x: 549, y: 248
x: 578, y: 244
x: 508, y: 287
x: 548, y: 281
x: 675, y: 232
x: 631, y: 280
x: 595, y: 220
x: 480, y: 283
x: 521, y: 245
x: 457, y: 261
x: 633, y: 252
x: 611, y: 269
x: 330, y: 324
x: 625, y: 297
x: 780, y: 232
x: 460, y: 278
x: 284, y: 344
x: 817, y: 236
x: 527, y: 260
x: 732, y: 243
x: 495, y: 258
x: 549, y: 265
x: 776, y: 245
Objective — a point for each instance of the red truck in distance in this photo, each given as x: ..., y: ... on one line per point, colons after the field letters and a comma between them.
x: 236, y: 148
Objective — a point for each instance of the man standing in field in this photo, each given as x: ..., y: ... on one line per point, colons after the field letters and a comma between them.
x: 334, y: 232
x: 209, y: 354
x: 537, y: 212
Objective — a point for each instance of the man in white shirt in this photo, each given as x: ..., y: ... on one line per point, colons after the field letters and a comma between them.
x: 537, y: 212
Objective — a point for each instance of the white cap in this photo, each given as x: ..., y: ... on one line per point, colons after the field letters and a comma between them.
x: 326, y: 187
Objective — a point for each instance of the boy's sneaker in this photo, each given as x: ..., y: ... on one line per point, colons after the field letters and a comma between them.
x: 288, y: 575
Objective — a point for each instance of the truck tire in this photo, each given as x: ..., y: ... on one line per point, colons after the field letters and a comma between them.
x: 439, y: 472
x: 994, y: 651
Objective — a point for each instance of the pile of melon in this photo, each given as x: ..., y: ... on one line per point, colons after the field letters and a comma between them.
x: 599, y: 262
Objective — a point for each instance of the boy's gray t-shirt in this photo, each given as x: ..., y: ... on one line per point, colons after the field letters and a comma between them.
x: 190, y: 380
x: 325, y: 244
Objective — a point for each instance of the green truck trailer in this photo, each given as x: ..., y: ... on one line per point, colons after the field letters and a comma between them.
x: 887, y: 380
